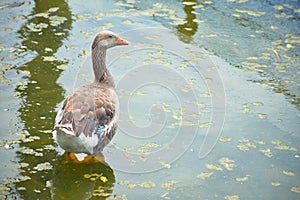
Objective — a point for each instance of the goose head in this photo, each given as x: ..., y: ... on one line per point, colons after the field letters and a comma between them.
x: 107, y: 39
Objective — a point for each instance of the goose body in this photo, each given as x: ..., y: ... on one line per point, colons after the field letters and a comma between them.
x: 87, y: 120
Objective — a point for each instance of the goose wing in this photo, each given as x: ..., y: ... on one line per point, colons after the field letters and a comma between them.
x: 87, y: 111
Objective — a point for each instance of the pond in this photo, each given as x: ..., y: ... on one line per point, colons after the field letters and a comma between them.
x: 209, y: 98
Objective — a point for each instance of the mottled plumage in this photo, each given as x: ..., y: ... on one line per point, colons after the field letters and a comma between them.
x: 87, y: 120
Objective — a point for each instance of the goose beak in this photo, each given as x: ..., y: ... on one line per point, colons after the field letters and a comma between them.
x: 121, y: 41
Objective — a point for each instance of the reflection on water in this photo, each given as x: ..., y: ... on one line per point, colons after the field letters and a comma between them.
x: 189, y: 28
x: 81, y: 181
x: 42, y: 93
x: 44, y: 173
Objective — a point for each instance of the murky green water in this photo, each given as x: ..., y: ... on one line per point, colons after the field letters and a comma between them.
x: 195, y: 73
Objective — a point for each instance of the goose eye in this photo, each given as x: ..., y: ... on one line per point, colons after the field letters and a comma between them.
x: 110, y: 36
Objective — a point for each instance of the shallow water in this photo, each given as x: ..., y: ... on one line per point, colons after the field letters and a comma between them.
x: 208, y: 92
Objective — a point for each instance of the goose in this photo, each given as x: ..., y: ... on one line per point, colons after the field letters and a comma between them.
x: 87, y: 120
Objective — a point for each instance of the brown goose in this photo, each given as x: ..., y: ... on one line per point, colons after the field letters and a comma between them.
x: 88, y: 118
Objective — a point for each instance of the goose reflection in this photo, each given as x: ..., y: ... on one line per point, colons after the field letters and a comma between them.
x: 81, y: 180
x: 189, y: 28
x: 47, y: 175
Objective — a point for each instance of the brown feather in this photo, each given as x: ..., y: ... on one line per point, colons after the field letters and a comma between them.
x: 88, y: 107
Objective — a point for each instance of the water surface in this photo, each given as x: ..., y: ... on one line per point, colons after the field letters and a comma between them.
x: 195, y: 73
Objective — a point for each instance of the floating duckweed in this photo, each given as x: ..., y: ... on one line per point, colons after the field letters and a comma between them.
x: 49, y: 58
x: 36, y: 27
x: 237, y: 1
x: 43, y: 14
x: 267, y: 152
x: 131, y: 185
x: 191, y: 81
x: 296, y: 189
x: 79, y: 17
x: 275, y: 184
x: 214, y: 167
x: 177, y: 114
x: 124, y: 55
x: 43, y: 166
x: 11, y: 180
x: 53, y: 9
x: 95, y: 176
x: 21, y: 188
x: 227, y: 163
x: 165, y: 195
x: 281, y: 146
x: 204, y: 175
x: 205, y: 94
x: 149, y: 145
x: 225, y: 139
x: 147, y: 62
x: 105, y: 27
x: 56, y: 20
x: 143, y: 150
x: 257, y: 103
x: 250, y: 144
x: 8, y: 144
x: 22, y: 85
x: 288, y: 173
x: 294, y: 39
x: 23, y: 165
x: 198, y: 20
x: 205, y: 125
x: 285, y: 147
x: 85, y: 53
x: 125, y: 182
x: 31, y: 152
x: 243, y: 147
x: 166, y: 107
x: 252, y: 58
x: 4, y: 190
x: 260, y: 142
x: 186, y: 88
x: 62, y: 67
x: 140, y: 93
x: 186, y: 123
x: 37, y: 191
x: 24, y: 178
x: 100, y: 192
x: 261, y: 115
x: 236, y: 15
x: 143, y: 158
x: 31, y: 139
x: 165, y: 165
x: 169, y: 185
x: 183, y: 65
x: 232, y: 197
x: 242, y: 179
x: 71, y: 47
x: 278, y: 7
x: 129, y: 22
x: 148, y: 184
x: 47, y: 49
x: 283, y: 15
x: 87, y: 34
x: 250, y: 12
x: 49, y: 184
x: 163, y: 61
x: 103, y: 179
